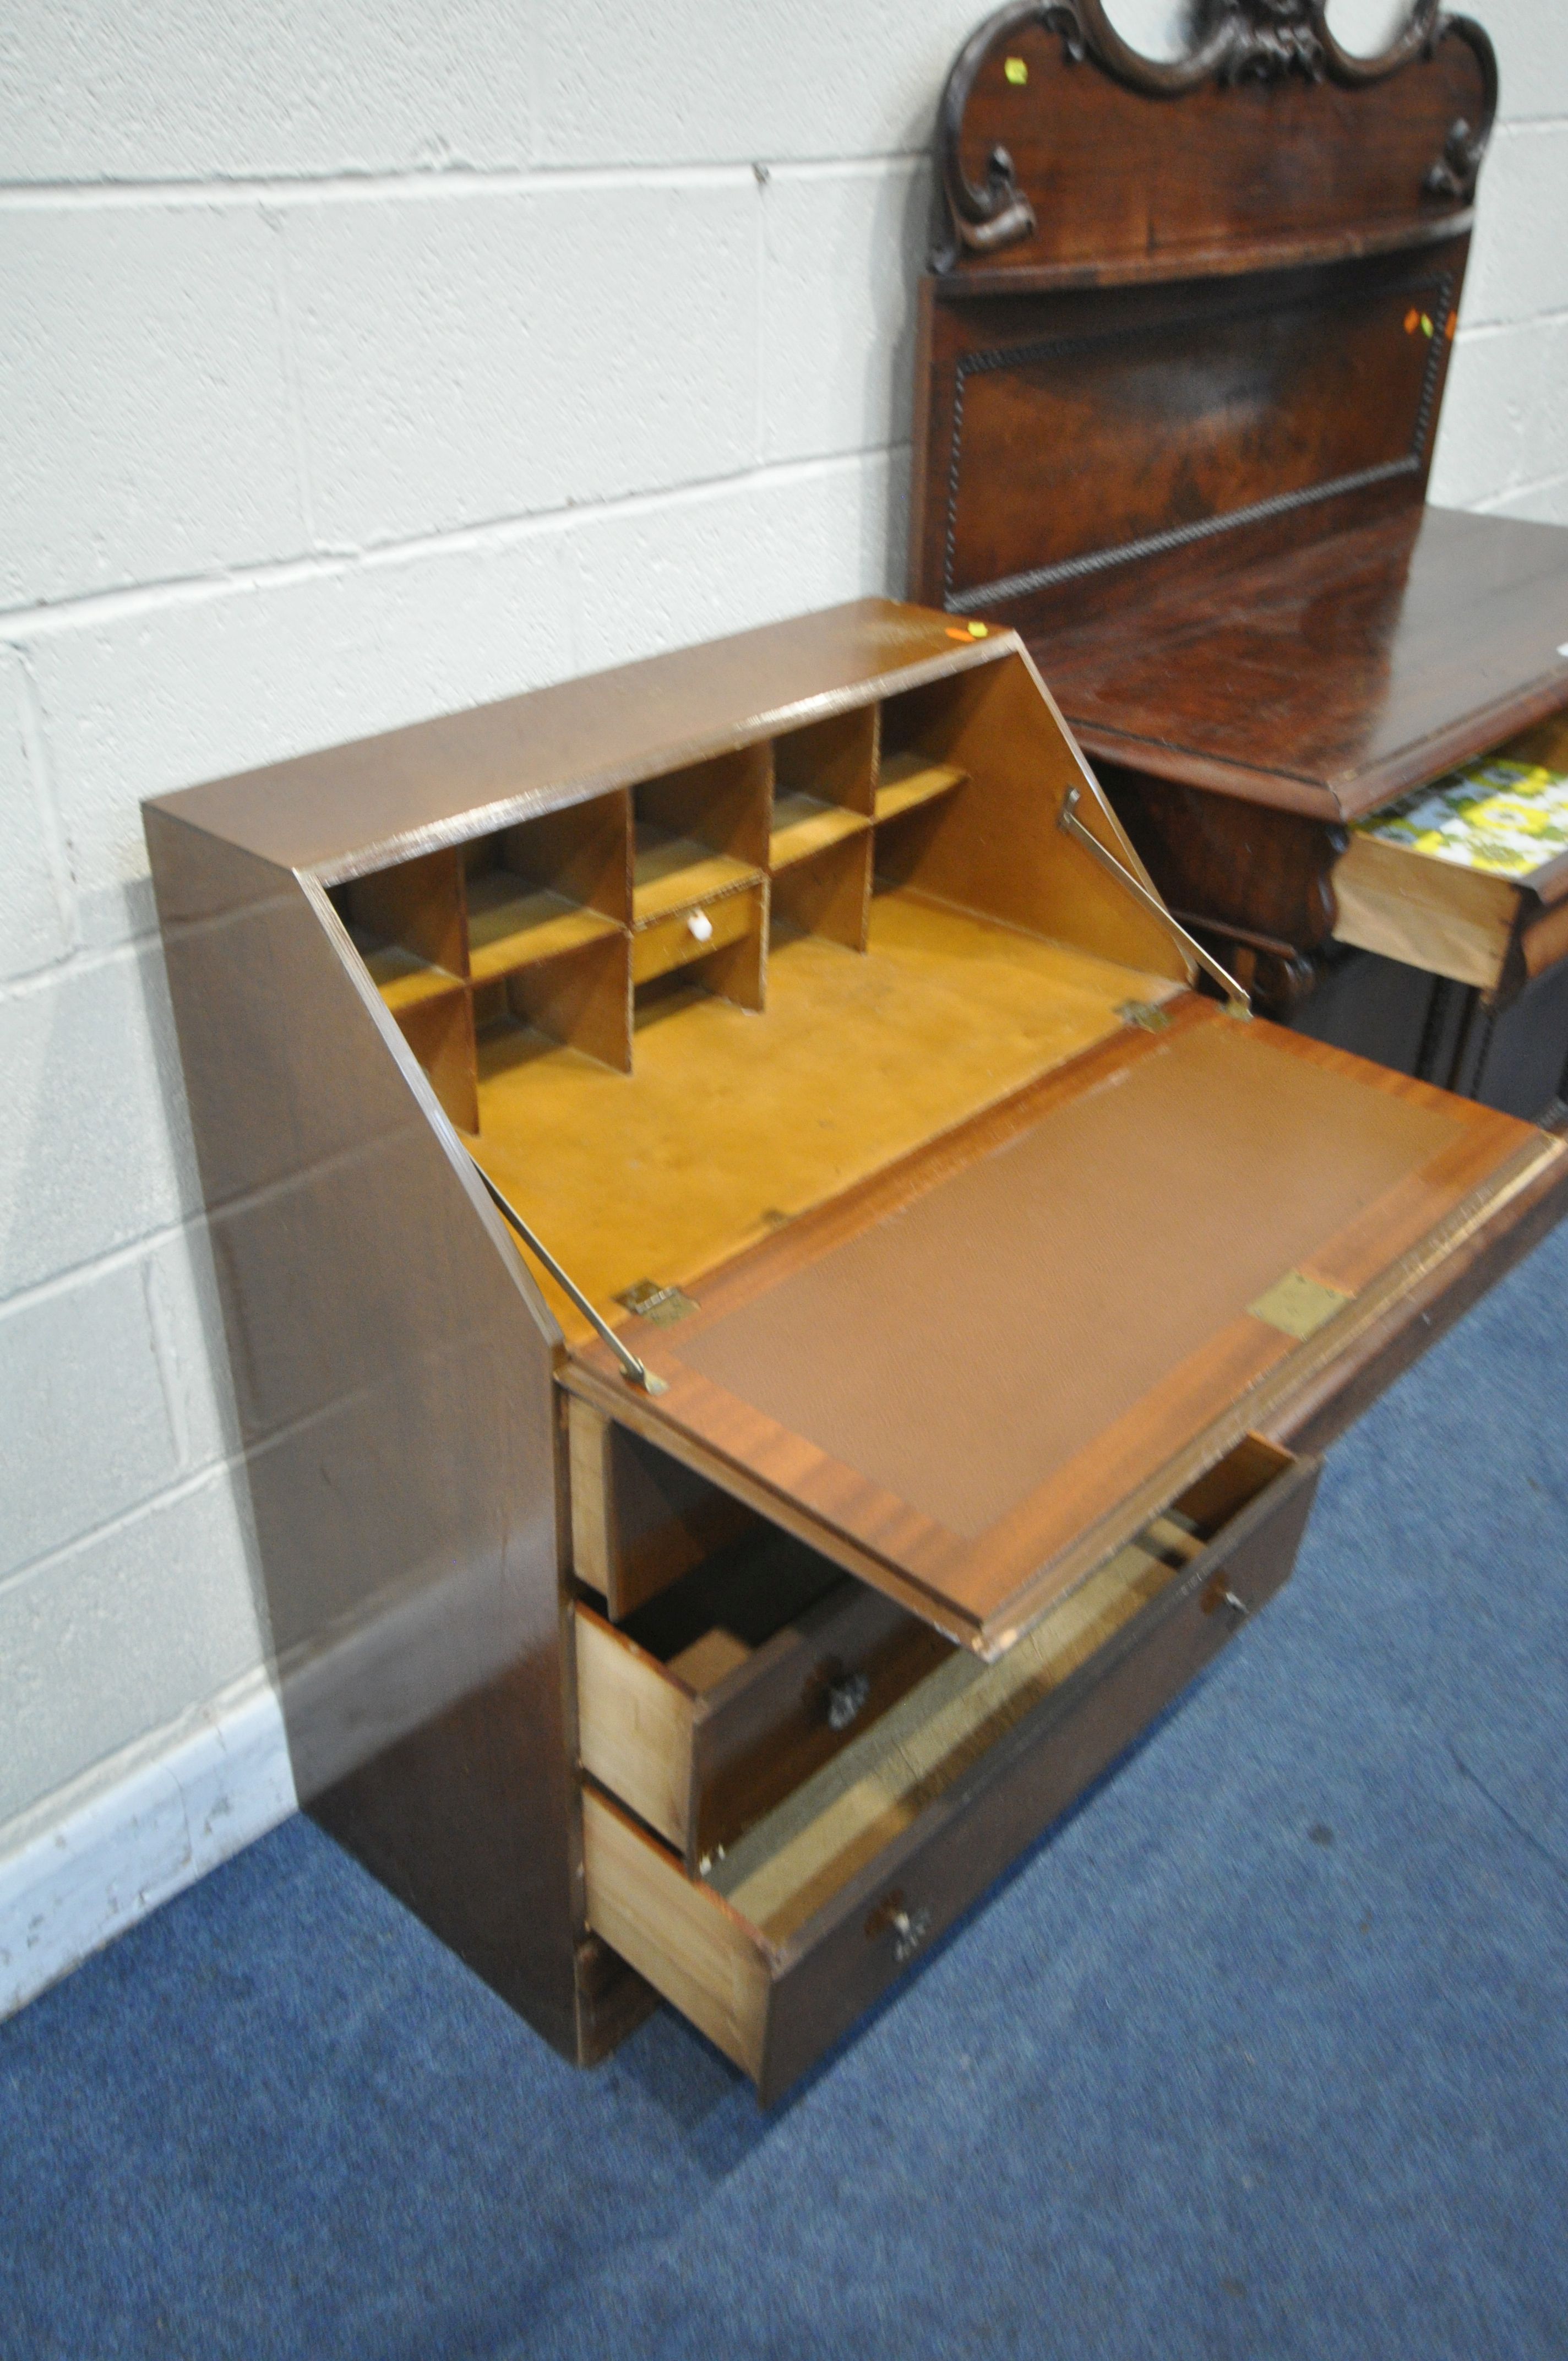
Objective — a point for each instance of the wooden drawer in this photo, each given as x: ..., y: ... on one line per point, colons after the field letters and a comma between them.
x: 1428, y: 913
x: 822, y: 1904
x: 738, y: 1684
x: 665, y: 944
x: 1478, y: 927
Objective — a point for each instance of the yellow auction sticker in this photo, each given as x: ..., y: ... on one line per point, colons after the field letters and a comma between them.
x: 1016, y: 70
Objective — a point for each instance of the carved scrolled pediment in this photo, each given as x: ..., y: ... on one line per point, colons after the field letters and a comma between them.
x: 1045, y: 94
x: 1275, y: 37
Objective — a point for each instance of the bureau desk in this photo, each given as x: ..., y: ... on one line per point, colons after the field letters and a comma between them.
x: 1182, y: 355
x: 772, y: 1329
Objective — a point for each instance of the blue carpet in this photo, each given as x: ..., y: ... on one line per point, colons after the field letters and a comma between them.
x: 1263, y: 2053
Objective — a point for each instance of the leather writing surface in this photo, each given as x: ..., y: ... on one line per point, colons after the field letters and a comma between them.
x: 964, y: 1350
x: 1048, y: 1352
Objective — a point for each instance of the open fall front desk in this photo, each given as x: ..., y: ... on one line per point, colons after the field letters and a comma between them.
x: 957, y: 1299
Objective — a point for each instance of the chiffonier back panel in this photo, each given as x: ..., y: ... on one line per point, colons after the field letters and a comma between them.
x: 1198, y: 310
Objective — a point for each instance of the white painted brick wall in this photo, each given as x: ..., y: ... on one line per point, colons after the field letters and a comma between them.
x: 103, y: 91
x: 364, y: 360
x: 467, y: 356
x: 146, y: 407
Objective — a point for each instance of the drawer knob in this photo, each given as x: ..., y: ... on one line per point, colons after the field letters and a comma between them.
x: 700, y: 925
x: 846, y: 1699
x: 910, y: 1928
x: 1220, y: 1594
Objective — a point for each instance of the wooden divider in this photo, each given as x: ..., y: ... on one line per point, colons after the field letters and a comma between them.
x: 545, y: 935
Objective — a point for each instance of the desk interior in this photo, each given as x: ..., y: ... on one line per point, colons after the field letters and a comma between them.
x: 670, y: 1016
x: 733, y: 1123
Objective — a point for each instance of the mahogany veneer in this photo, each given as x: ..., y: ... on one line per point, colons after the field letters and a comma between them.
x: 939, y: 1283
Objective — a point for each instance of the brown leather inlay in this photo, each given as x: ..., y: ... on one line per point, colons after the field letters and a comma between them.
x: 963, y: 1350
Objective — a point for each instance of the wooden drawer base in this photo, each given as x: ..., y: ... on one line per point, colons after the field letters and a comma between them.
x: 825, y: 1902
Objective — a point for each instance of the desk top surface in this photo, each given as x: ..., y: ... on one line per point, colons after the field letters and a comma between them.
x: 1330, y: 677
x: 896, y: 1362
x: 358, y: 807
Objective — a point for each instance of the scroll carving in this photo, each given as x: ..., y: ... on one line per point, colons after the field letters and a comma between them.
x: 999, y: 213
x: 1453, y: 175
x: 1267, y: 39
x: 1236, y: 41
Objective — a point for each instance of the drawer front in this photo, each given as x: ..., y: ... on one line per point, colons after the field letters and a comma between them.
x: 1429, y: 913
x: 776, y: 2005
x: 839, y: 1963
x: 669, y: 943
x: 802, y: 1698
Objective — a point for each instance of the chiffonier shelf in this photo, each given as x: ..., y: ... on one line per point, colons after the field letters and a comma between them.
x: 507, y: 930
x: 672, y: 872
x: 403, y: 980
x: 802, y: 826
x: 1183, y: 349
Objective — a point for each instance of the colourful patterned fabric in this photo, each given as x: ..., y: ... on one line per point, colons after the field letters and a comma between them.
x: 1504, y: 817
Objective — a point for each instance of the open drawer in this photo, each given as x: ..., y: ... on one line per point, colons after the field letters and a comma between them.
x: 1467, y: 878
x: 1492, y: 931
x: 728, y: 1690
x: 825, y: 1900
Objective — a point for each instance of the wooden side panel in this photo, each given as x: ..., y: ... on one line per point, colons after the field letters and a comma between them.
x: 391, y: 1365
x: 722, y: 803
x: 834, y: 760
x: 993, y: 845
x: 634, y: 1726
x: 593, y: 1526
x: 828, y: 894
x: 583, y: 853
x: 419, y: 906
x: 583, y: 999
x: 688, y: 1943
x: 440, y: 1032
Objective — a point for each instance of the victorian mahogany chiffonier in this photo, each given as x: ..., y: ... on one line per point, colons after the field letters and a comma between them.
x: 772, y: 1329
x: 1182, y: 350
